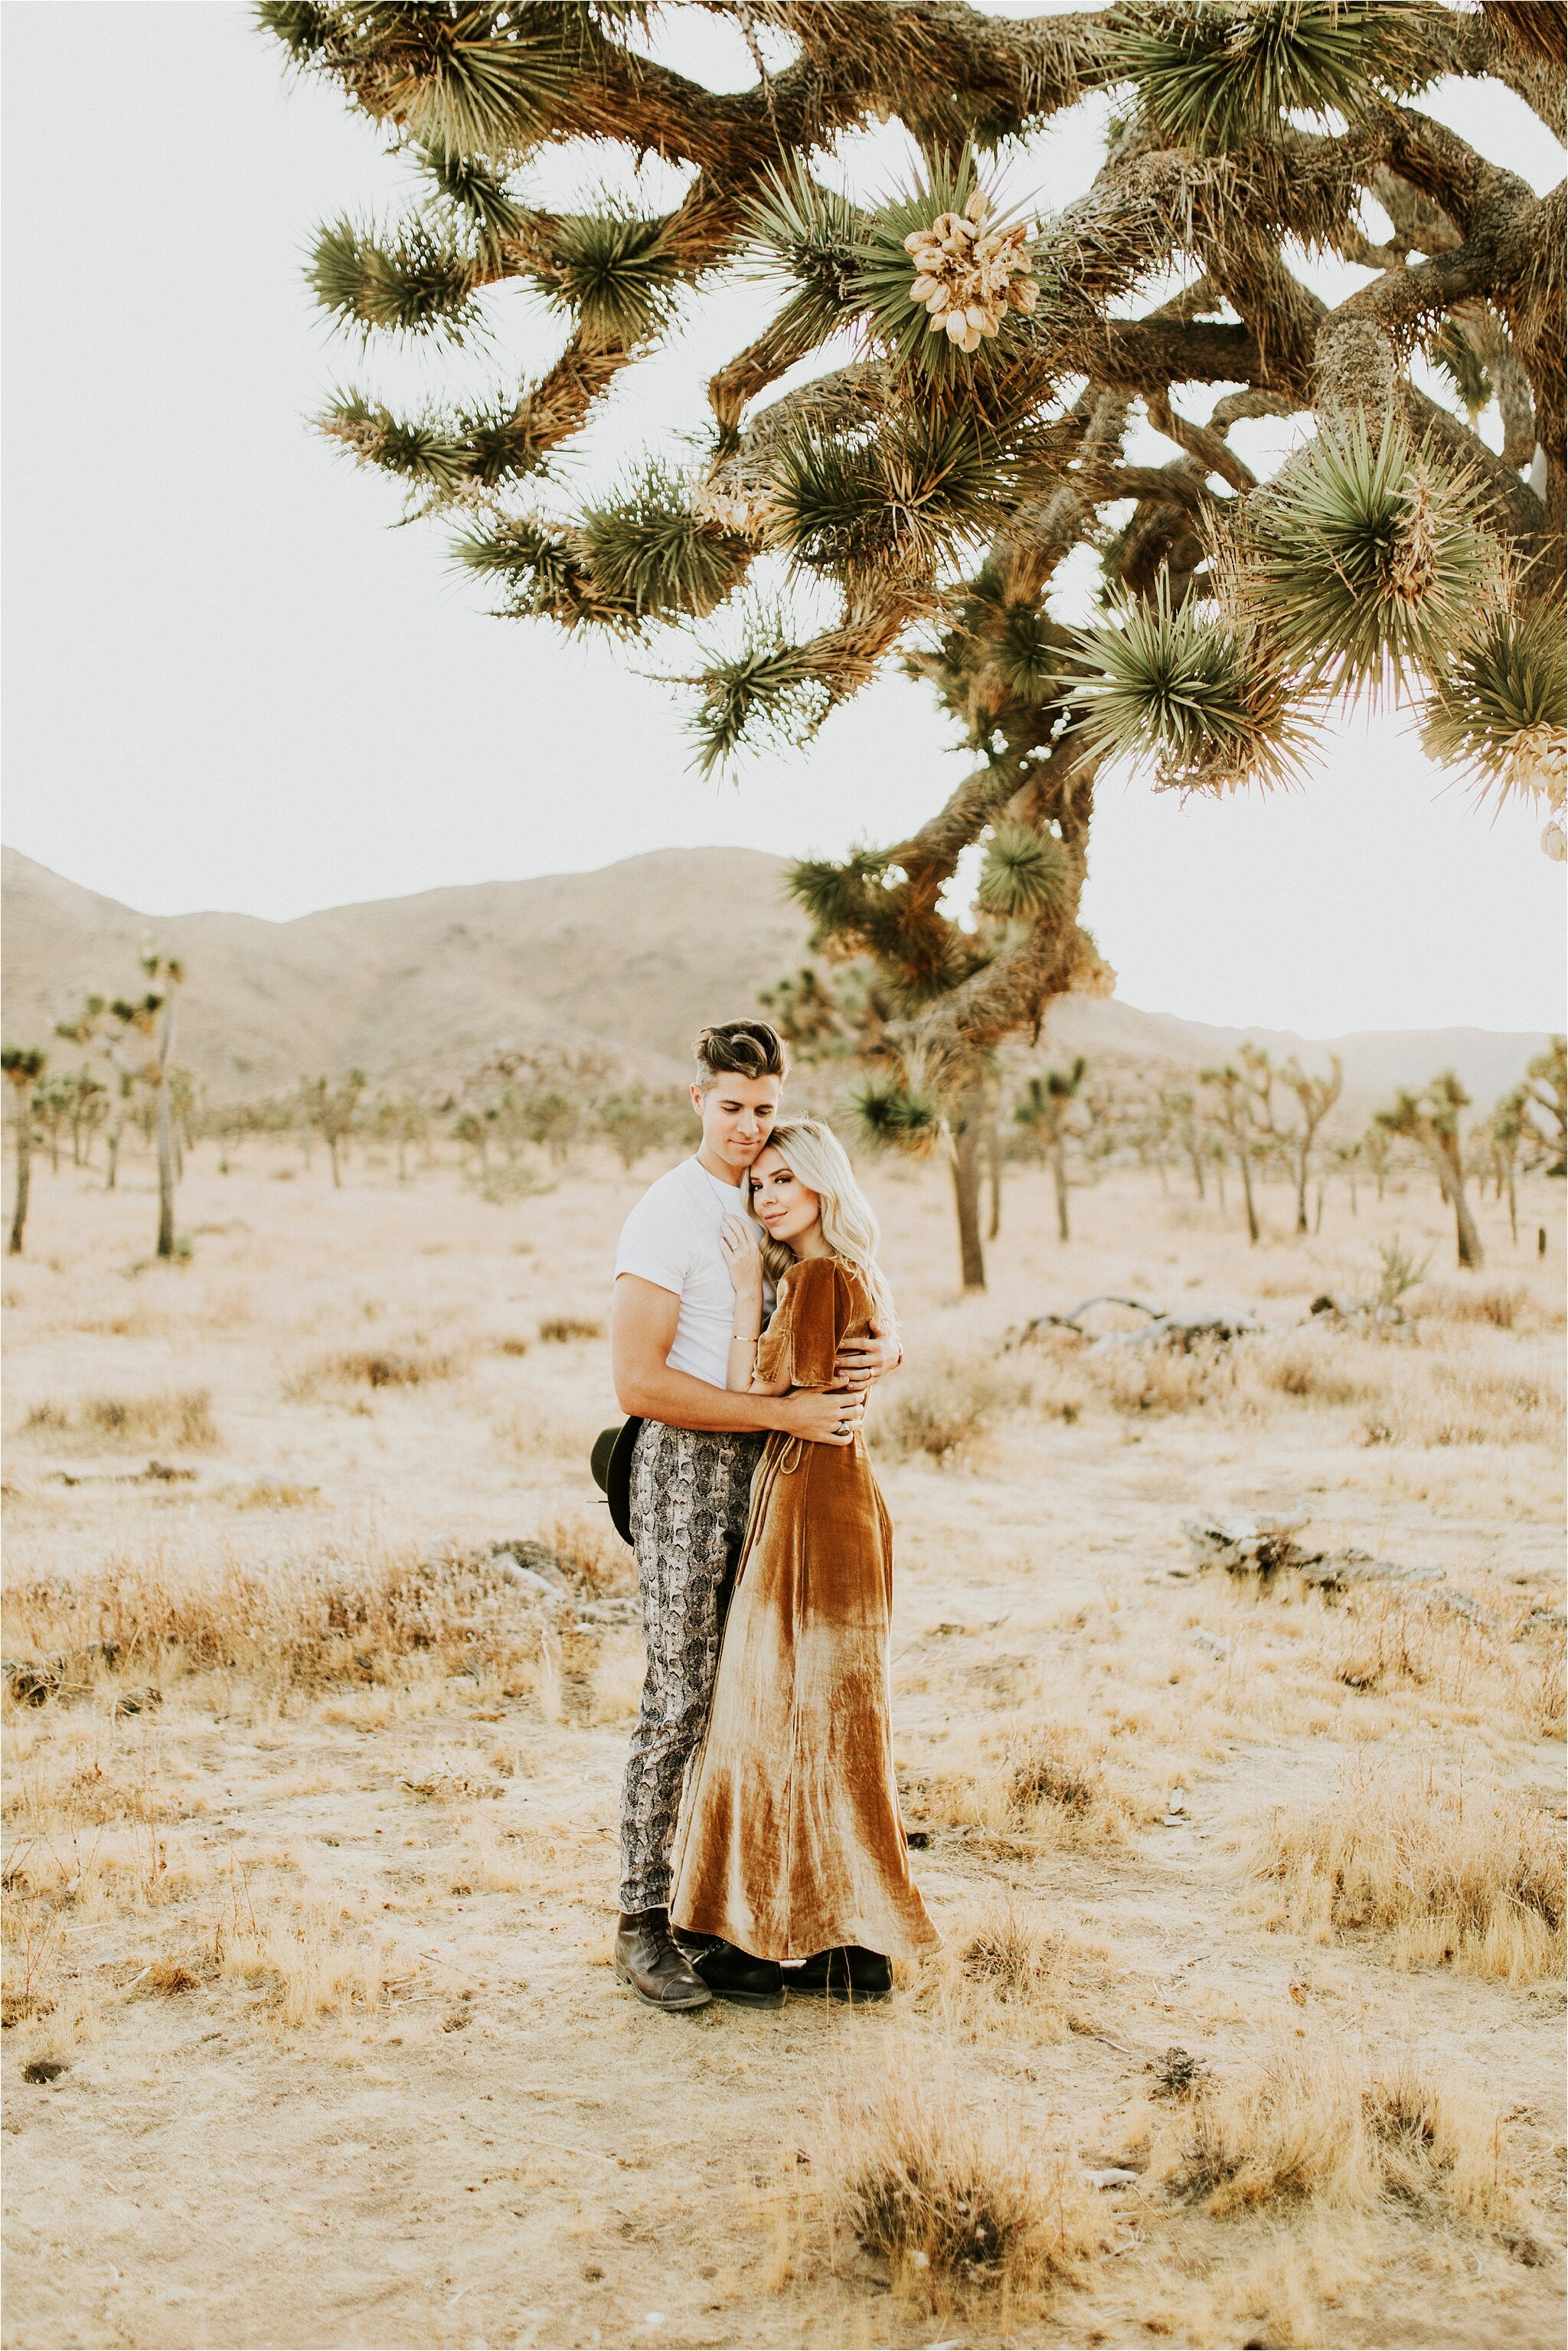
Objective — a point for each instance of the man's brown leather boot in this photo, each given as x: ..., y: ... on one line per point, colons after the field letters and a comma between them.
x: 649, y: 1961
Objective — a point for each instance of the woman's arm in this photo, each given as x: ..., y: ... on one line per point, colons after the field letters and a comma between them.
x: 742, y: 1257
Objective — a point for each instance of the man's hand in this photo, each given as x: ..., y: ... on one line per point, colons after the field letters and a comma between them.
x: 861, y: 1363
x: 821, y: 1416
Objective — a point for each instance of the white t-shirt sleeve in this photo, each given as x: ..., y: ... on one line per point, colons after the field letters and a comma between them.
x: 656, y: 1243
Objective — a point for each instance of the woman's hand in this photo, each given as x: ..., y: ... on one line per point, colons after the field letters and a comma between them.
x: 738, y: 1237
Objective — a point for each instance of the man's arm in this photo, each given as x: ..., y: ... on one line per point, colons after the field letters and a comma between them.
x: 642, y: 1322
x: 861, y: 1363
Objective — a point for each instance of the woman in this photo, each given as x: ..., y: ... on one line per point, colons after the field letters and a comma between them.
x: 790, y: 1845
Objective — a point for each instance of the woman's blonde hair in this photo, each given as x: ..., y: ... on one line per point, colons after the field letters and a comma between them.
x: 817, y: 1158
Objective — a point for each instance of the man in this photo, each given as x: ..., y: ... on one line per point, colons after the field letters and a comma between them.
x: 670, y: 1327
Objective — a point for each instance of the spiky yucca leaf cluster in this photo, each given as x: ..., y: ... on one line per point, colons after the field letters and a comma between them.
x: 1212, y: 73
x: 1499, y: 711
x: 413, y: 282
x: 627, y: 563
x: 1182, y: 693
x: 812, y: 233
x: 889, y: 1113
x: 472, y: 76
x: 1025, y: 874
x: 765, y: 690
x: 441, y: 456
x: 613, y: 269
x: 1364, y: 560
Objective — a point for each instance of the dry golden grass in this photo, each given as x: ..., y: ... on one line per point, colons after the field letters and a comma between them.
x: 945, y: 1408
x: 1449, y: 1872
x: 1310, y: 2125
x: 179, y: 1416
x: 370, y: 1827
x: 321, y: 1617
x: 927, y: 2172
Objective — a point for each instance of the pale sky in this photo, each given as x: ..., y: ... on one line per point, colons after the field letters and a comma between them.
x: 231, y: 684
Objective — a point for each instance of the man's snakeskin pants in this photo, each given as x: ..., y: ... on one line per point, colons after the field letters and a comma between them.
x: 691, y: 1493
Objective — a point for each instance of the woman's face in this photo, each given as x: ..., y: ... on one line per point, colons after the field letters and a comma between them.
x: 779, y: 1200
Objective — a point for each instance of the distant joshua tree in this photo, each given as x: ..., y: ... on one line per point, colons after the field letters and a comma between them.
x: 1545, y: 1105
x: 1233, y: 1097
x: 329, y: 1110
x: 22, y: 1066
x: 1043, y: 1114
x: 136, y: 1036
x: 1432, y: 1120
x: 1317, y: 1097
x: 1505, y: 1133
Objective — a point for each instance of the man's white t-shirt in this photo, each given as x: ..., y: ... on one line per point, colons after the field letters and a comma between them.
x: 671, y: 1237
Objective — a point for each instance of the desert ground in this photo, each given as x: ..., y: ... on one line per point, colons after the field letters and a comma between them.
x: 1247, y: 2028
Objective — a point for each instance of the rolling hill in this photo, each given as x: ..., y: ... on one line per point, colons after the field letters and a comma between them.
x: 635, y: 956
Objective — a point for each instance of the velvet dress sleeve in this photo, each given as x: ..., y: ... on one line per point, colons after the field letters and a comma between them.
x: 803, y: 1338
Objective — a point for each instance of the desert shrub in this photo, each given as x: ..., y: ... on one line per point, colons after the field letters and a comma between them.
x: 1466, y: 1875
x: 592, y: 1553
x: 1306, y: 2126
x: 1053, y: 1778
x: 178, y: 1417
x: 949, y: 2191
x: 1468, y: 1402
x: 562, y: 1329
x: 336, y: 1617
x: 1505, y: 1305
x: 1383, y: 1639
x: 1051, y: 1771
x: 386, y: 1367
x: 1308, y: 1365
x: 946, y: 1407
x: 1153, y: 1379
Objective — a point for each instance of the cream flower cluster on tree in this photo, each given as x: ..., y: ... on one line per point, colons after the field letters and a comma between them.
x: 970, y: 276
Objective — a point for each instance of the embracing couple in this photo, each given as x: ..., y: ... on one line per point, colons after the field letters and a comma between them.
x: 759, y: 1821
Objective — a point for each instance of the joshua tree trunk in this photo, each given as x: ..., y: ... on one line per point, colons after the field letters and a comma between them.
x: 111, y: 1143
x: 1302, y: 1224
x: 1197, y: 1158
x: 1513, y: 1207
x: 333, y: 1154
x: 994, y: 1175
x: 1059, y: 1177
x: 164, y: 1130
x: 1245, y: 1158
x: 966, y: 1129
x: 24, y: 1173
x: 1452, y: 1178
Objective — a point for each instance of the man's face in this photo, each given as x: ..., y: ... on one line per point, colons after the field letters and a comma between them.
x: 738, y: 1116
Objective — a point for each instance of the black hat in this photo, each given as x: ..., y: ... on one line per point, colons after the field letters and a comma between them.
x: 611, y: 1465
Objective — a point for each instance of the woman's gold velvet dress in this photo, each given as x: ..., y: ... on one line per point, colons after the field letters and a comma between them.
x: 791, y: 1841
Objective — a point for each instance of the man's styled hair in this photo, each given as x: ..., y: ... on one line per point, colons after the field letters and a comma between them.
x: 742, y: 1049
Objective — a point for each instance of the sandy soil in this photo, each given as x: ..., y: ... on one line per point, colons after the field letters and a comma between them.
x: 326, y: 1968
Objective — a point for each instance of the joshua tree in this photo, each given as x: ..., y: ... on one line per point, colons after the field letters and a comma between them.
x: 400, y: 1119
x: 1233, y: 1098
x: 1180, y: 1106
x: 1377, y: 1150
x: 1043, y: 1112
x: 1545, y: 1105
x: 22, y: 1067
x: 1010, y: 380
x: 1317, y: 1097
x: 1347, y: 1153
x: 632, y: 1122
x: 329, y: 1110
x: 136, y: 1036
x: 1432, y: 1120
x: 1505, y: 1133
